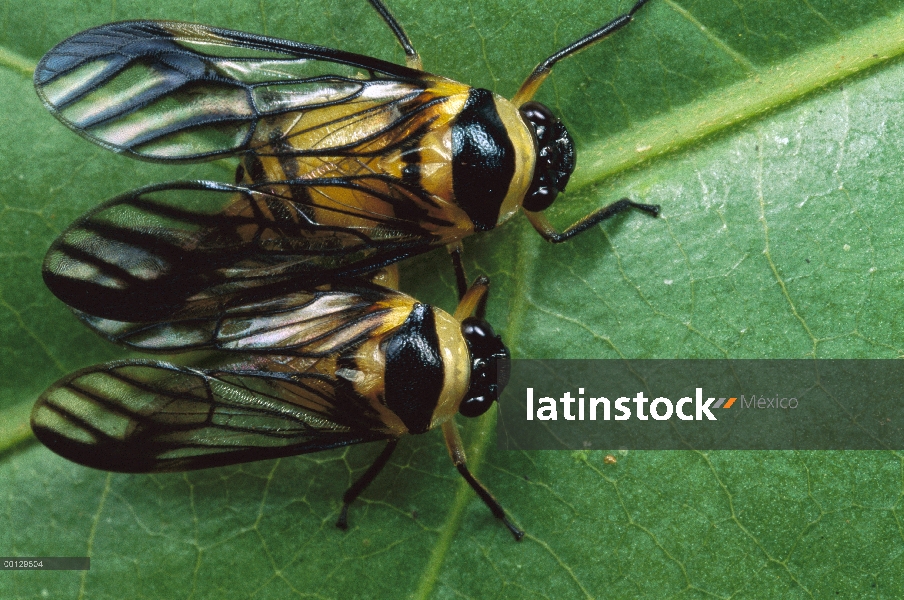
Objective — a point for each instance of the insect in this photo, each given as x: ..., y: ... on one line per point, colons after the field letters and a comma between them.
x: 340, y: 364
x: 347, y: 163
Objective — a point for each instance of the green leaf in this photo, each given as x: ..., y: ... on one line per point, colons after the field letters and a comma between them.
x: 771, y: 134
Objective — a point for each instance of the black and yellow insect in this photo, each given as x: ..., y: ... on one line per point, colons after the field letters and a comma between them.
x: 345, y: 363
x: 348, y: 163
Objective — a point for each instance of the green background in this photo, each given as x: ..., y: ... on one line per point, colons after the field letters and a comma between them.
x: 771, y: 133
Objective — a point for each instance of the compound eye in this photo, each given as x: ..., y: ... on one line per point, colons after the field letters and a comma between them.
x: 537, y: 114
x: 482, y: 340
x: 474, y: 407
x: 540, y: 199
x: 489, y: 367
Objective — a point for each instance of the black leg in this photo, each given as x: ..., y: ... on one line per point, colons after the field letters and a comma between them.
x: 457, y: 453
x: 544, y: 228
x: 460, y: 280
x: 412, y: 59
x: 532, y: 83
x: 365, y: 480
x: 490, y: 501
x: 593, y: 37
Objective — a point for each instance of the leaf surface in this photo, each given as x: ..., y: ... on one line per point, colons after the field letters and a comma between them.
x: 771, y: 134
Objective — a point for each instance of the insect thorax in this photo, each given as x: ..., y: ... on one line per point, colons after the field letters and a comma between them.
x: 492, y: 158
x: 415, y: 376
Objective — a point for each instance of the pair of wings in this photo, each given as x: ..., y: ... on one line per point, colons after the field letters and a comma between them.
x: 279, y: 388
x: 167, y: 91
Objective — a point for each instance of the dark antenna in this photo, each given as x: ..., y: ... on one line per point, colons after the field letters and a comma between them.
x: 541, y: 72
x: 412, y: 58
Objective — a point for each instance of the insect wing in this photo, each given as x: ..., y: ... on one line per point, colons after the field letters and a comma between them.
x: 313, y: 324
x: 163, y: 90
x: 288, y: 385
x: 143, y: 416
x: 345, y: 164
x: 195, y: 247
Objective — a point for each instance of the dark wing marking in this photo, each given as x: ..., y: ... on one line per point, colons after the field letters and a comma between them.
x: 163, y: 90
x: 197, y: 247
x: 143, y: 416
x: 313, y: 323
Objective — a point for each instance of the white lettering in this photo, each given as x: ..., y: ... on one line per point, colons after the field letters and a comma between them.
x: 680, y: 411
x: 640, y: 400
x: 580, y: 404
x: 656, y: 415
x: 547, y: 413
x: 624, y: 410
x: 566, y: 401
x: 703, y: 408
x: 594, y: 402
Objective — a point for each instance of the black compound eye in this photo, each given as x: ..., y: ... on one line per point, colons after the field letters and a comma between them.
x: 474, y: 407
x: 540, y: 198
x: 537, y: 114
x: 555, y: 158
x: 566, y: 159
x: 489, y: 366
x: 482, y: 340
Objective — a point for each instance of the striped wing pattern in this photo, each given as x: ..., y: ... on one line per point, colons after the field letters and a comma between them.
x: 143, y: 416
x: 164, y: 90
x: 330, y: 187
x: 313, y: 324
x: 281, y: 385
x: 198, y: 246
x: 334, y: 180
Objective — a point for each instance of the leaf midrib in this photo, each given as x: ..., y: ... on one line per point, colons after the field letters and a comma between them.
x: 879, y: 42
x: 764, y: 90
x: 16, y: 62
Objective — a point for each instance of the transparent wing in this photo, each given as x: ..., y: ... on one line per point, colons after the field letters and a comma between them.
x: 196, y: 247
x: 144, y: 416
x: 313, y: 323
x: 162, y: 90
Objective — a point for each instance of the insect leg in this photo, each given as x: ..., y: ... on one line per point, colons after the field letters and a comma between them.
x: 545, y: 228
x: 474, y: 301
x: 412, y: 59
x: 461, y: 281
x: 457, y: 452
x: 533, y: 81
x: 365, y: 480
